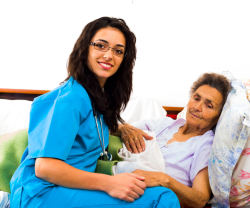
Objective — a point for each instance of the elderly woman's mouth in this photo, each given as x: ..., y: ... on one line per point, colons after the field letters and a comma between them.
x: 195, y: 115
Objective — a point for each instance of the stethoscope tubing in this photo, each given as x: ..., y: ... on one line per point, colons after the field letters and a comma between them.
x: 102, y: 143
x: 103, y: 153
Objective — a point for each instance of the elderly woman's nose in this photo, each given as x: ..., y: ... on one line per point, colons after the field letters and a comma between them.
x: 198, y: 106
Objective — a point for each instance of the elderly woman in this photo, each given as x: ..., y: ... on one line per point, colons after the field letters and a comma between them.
x: 185, y: 144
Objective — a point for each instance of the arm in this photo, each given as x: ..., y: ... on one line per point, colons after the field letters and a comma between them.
x: 197, y: 196
x: 127, y: 186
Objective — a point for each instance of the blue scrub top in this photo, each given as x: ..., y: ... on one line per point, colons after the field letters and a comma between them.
x: 61, y: 126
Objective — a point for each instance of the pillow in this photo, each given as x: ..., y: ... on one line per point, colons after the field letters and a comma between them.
x: 142, y: 108
x: 182, y: 114
x: 4, y: 199
x: 14, y: 115
x: 12, y: 146
x: 246, y: 83
x: 232, y: 133
x: 240, y: 181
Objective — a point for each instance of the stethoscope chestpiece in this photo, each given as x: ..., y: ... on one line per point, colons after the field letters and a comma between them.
x: 107, y: 155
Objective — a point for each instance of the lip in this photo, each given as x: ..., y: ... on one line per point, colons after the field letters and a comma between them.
x: 194, y: 115
x: 105, y: 67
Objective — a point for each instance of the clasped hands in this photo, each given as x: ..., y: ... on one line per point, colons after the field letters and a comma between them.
x: 133, y: 140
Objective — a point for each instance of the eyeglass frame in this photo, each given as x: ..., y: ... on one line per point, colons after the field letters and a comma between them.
x: 93, y: 44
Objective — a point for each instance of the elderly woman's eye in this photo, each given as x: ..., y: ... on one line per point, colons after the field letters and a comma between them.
x: 209, y: 106
x: 196, y: 98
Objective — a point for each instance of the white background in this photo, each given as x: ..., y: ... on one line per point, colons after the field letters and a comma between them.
x: 176, y: 41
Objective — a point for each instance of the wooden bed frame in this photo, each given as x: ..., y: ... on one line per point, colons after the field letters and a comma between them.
x: 21, y: 94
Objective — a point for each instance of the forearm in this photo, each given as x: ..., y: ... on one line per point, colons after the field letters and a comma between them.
x: 60, y: 173
x: 187, y: 196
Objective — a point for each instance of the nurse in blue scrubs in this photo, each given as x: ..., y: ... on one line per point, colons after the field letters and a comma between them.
x: 58, y: 166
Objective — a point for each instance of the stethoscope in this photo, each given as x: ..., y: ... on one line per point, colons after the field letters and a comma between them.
x: 103, y: 153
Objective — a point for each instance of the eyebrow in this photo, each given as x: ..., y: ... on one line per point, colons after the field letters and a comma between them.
x: 207, y: 100
x: 108, y: 43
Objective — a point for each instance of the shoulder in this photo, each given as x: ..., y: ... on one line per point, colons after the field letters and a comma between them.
x: 70, y: 89
x: 205, y: 140
x: 70, y: 92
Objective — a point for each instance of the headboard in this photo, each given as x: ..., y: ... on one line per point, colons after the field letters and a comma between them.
x: 24, y: 94
x: 20, y: 94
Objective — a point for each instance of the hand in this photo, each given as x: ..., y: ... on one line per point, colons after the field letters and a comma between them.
x: 133, y: 138
x: 126, y: 186
x: 153, y: 179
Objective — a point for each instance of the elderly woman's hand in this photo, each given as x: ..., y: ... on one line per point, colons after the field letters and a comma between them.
x: 133, y: 138
x: 153, y: 179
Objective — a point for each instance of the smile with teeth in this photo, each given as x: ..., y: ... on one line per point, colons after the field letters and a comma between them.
x: 105, y: 65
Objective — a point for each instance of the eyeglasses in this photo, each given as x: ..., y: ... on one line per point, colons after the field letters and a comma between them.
x: 104, y: 47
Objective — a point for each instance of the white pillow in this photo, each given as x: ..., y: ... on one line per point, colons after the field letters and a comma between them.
x: 232, y: 132
x: 142, y: 108
x: 4, y: 199
x: 14, y: 115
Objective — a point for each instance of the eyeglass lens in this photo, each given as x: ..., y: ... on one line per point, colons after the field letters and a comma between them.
x: 118, y: 51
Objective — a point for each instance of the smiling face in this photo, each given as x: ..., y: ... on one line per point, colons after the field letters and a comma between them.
x: 105, y: 64
x: 204, y: 107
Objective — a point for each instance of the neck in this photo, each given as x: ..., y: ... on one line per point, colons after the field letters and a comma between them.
x: 102, y: 82
x: 193, y: 130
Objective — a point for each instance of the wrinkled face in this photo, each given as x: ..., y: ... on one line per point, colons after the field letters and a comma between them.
x: 105, y: 64
x: 204, y: 107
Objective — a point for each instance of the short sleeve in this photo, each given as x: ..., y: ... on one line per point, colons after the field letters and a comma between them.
x: 54, y: 124
x: 201, y: 155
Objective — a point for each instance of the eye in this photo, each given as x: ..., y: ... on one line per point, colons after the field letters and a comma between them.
x: 209, y: 106
x: 100, y: 45
x: 119, y: 51
x: 196, y: 98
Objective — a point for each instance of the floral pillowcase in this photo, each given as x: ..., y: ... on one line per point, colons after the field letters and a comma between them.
x: 240, y: 181
x: 228, y: 167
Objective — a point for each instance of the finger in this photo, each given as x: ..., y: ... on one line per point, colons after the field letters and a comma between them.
x: 138, y: 190
x: 137, y: 176
x: 141, y: 185
x: 128, y: 146
x: 142, y: 143
x: 127, y: 199
x: 146, y: 136
x: 138, y: 144
x: 133, y: 146
x: 134, y: 194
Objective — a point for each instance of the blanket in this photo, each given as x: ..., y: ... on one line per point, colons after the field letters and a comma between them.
x: 150, y: 160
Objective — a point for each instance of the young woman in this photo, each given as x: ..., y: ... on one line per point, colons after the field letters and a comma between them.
x: 69, y: 130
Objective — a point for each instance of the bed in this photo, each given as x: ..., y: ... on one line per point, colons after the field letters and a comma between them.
x: 138, y: 108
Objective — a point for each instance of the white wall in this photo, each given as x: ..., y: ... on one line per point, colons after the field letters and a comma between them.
x: 176, y: 40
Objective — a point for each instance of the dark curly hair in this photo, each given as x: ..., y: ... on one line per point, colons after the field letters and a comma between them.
x: 214, y: 80
x: 118, y: 87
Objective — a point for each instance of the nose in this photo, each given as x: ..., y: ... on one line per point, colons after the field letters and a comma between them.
x: 108, y: 54
x: 198, y: 106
